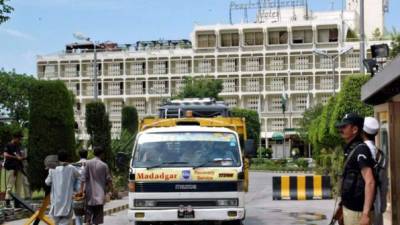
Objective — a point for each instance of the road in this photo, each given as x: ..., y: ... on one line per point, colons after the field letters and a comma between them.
x: 262, y: 210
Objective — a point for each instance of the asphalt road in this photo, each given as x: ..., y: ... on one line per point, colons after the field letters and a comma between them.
x: 262, y: 210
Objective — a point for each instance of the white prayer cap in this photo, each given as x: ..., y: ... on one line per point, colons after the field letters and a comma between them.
x: 371, y: 125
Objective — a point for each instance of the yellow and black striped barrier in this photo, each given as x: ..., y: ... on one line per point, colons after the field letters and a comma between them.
x: 301, y: 187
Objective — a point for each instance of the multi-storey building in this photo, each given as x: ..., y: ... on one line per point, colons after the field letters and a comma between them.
x: 256, y: 62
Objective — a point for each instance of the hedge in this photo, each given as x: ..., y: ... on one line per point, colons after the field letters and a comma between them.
x: 130, y: 119
x: 51, y: 127
x: 99, y: 128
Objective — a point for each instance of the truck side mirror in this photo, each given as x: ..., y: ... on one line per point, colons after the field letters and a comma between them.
x: 121, y: 160
x: 249, y: 148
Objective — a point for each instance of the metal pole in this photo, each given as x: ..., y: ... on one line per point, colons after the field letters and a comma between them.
x: 333, y: 59
x: 95, y: 85
x: 260, y: 120
x: 362, y: 37
x: 284, y: 136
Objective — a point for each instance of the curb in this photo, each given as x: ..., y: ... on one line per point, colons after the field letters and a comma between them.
x: 116, y: 209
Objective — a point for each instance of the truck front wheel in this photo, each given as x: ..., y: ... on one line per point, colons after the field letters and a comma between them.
x: 234, y: 222
x: 141, y: 223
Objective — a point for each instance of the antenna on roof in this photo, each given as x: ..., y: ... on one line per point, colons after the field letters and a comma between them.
x: 332, y: 5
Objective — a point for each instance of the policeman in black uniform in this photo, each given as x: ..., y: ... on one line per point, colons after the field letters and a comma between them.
x: 358, y: 184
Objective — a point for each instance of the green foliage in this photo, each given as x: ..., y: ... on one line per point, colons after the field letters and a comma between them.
x: 201, y: 88
x: 352, y: 35
x: 325, y: 138
x: 124, y: 143
x: 6, y: 132
x: 331, y: 164
x: 99, y: 128
x: 301, y: 163
x: 5, y: 11
x: 377, y: 34
x: 253, y: 126
x: 349, y: 100
x: 278, y: 165
x: 14, y: 95
x: 130, y: 119
x: 263, y: 152
x: 395, y: 45
x: 51, y: 126
x: 306, y: 121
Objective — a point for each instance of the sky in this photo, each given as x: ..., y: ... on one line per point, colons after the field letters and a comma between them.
x: 40, y: 27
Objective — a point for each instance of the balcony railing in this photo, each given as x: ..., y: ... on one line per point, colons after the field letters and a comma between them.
x: 252, y: 68
x: 135, y: 91
x: 276, y: 67
x: 301, y: 87
x: 228, y: 69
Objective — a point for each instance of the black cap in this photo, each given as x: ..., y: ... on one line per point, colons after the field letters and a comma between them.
x: 351, y: 118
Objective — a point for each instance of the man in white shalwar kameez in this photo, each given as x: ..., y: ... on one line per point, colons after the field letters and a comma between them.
x: 62, y: 180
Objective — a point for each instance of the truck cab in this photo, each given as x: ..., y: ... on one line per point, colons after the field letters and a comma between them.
x: 188, y: 169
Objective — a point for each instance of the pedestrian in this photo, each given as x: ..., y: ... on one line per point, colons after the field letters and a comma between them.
x: 13, y: 163
x: 370, y: 130
x: 80, y: 165
x: 96, y: 178
x: 62, y: 180
x: 358, y: 182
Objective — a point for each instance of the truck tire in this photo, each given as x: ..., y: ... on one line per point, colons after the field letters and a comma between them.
x: 141, y: 223
x: 234, y: 222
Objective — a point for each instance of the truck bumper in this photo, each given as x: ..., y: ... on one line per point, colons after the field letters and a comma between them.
x: 200, y: 215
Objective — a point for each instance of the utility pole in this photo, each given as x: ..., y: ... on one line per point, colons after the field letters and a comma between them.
x: 95, y: 84
x: 82, y: 37
x: 362, y: 37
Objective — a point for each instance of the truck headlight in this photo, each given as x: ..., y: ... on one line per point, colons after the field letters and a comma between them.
x: 228, y: 202
x: 145, y: 203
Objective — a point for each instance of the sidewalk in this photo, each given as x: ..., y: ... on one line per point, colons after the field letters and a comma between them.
x: 110, y: 208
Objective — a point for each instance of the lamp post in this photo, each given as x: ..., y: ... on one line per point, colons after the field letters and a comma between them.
x: 362, y: 36
x: 333, y: 60
x: 80, y: 36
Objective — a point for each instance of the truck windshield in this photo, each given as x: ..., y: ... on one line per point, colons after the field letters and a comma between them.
x: 187, y: 149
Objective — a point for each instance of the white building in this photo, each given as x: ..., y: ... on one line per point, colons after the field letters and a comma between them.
x: 256, y: 62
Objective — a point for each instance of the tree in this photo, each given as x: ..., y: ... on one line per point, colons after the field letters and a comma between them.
x: 98, y: 126
x: 325, y: 138
x: 305, y: 122
x: 395, y: 45
x: 201, y: 88
x: 51, y: 127
x: 5, y: 11
x: 14, y: 95
x: 349, y: 100
x: 253, y: 126
x: 130, y: 119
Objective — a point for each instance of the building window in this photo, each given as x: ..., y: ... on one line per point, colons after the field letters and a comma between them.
x: 229, y: 85
x: 253, y: 64
x: 277, y: 84
x: 230, y: 40
x: 206, y: 40
x: 278, y: 38
x: 302, y: 36
x: 229, y: 65
x: 328, y: 35
x: 253, y: 38
x: 231, y: 102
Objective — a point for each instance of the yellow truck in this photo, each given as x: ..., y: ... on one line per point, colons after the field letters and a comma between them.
x: 190, y: 168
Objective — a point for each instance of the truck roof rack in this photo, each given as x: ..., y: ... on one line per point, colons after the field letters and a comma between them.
x: 200, y: 107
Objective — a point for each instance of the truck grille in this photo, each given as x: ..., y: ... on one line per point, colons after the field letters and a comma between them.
x: 177, y: 203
